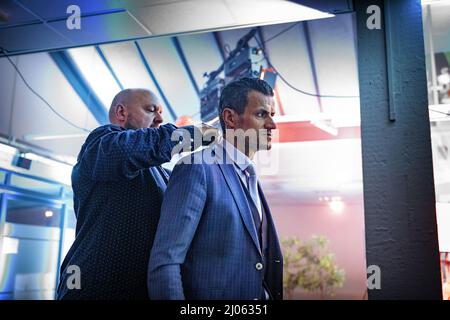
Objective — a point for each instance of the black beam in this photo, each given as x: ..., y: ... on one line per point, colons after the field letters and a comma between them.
x: 399, y: 199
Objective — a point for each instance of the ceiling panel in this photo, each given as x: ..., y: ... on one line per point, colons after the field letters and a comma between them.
x: 142, y: 19
x: 33, y: 117
x: 171, y: 75
x: 332, y: 6
x: 257, y: 12
x: 96, y: 74
x: 128, y: 66
x: 103, y: 28
x: 295, y: 67
x: 31, y: 37
x: 202, y: 54
x: 15, y: 14
x: 336, y: 67
x: 51, y: 9
x: 185, y: 16
x: 200, y: 15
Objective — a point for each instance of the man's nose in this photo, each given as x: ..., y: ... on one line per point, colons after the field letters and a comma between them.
x: 158, y: 118
x: 270, y: 124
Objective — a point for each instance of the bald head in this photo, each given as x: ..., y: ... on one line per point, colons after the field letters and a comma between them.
x: 135, y: 109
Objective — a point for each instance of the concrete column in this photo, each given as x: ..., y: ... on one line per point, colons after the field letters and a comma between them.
x: 400, y: 217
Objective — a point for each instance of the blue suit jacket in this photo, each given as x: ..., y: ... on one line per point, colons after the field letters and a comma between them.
x: 206, y: 246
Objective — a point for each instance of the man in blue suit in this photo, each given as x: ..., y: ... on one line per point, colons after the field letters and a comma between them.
x: 118, y: 184
x: 216, y: 238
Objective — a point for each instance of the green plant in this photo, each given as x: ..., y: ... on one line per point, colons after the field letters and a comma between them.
x: 309, y: 265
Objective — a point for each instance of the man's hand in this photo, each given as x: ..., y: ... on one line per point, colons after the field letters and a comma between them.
x: 191, y: 138
x: 209, y: 134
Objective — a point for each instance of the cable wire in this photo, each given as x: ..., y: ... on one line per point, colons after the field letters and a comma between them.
x: 292, y: 86
x: 39, y: 96
x: 281, y: 32
x: 447, y: 114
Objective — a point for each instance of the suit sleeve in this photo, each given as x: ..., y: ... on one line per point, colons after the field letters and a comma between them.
x: 181, y: 211
x: 123, y: 153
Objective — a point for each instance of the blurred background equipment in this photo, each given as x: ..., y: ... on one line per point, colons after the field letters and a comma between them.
x: 243, y: 61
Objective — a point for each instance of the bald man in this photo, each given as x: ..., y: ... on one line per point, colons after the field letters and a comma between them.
x: 118, y: 183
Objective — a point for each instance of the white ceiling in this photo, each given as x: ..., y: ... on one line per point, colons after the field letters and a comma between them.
x: 33, y: 26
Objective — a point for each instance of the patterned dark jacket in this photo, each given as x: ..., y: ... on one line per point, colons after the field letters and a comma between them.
x: 118, y: 186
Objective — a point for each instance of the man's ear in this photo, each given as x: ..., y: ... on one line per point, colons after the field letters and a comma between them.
x: 121, y: 113
x: 230, y: 118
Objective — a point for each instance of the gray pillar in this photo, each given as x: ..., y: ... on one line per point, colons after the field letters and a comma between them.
x: 400, y: 218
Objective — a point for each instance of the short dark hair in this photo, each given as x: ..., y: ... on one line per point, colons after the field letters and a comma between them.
x: 235, y: 95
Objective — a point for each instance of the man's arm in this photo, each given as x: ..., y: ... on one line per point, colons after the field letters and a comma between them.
x: 181, y: 211
x: 122, y: 153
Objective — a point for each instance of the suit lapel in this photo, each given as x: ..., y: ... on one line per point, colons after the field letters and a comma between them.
x: 241, y: 200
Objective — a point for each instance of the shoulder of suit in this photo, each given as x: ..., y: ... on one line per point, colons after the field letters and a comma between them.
x: 204, y: 156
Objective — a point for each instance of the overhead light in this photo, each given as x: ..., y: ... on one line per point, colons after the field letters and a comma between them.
x: 48, y: 214
x: 59, y: 171
x: 39, y: 137
x: 10, y: 245
x: 7, y: 149
x: 96, y: 73
x: 426, y: 2
x: 336, y: 205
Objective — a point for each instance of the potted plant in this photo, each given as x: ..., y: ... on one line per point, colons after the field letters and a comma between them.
x: 309, y: 265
